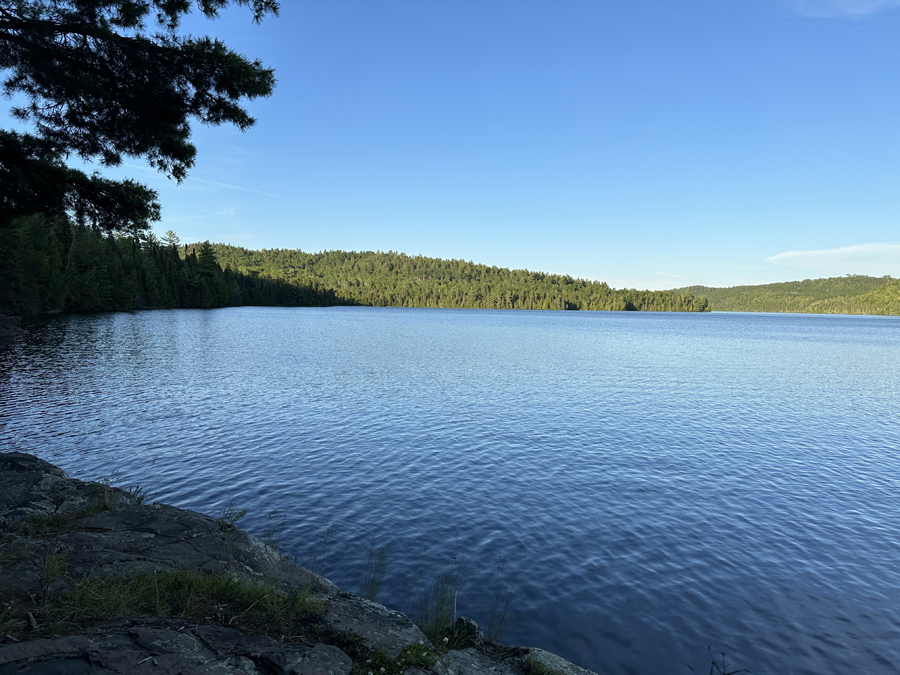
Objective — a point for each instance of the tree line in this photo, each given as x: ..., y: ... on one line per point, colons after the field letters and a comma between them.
x: 57, y: 265
x: 398, y: 280
x: 850, y: 294
x: 105, y: 80
x: 52, y: 264
x: 108, y: 79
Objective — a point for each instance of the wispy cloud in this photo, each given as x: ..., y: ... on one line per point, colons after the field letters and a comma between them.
x: 142, y: 167
x: 840, y: 8
x: 193, y: 179
x: 230, y: 187
x: 875, y: 259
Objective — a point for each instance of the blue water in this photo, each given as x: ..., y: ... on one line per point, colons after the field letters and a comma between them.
x: 645, y: 484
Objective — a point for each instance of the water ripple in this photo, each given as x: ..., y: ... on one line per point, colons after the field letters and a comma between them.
x: 646, y: 484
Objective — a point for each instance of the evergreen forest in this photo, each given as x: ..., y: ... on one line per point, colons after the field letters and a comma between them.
x: 398, y: 280
x: 851, y: 294
x: 54, y: 264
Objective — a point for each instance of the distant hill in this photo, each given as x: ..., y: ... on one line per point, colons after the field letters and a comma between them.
x: 398, y: 280
x: 852, y: 294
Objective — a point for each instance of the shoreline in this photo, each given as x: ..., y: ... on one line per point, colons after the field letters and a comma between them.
x: 67, y: 541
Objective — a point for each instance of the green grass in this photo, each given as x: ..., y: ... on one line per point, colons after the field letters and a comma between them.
x: 44, y: 523
x: 10, y: 616
x: 54, y: 567
x: 256, y: 606
x: 101, y: 500
x: 378, y: 663
x: 376, y: 568
x: 139, y: 494
x: 437, y: 610
x: 229, y: 516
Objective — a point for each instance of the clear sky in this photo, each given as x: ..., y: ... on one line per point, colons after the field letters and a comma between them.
x: 649, y: 144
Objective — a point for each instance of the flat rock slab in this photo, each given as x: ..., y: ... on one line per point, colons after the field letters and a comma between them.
x: 374, y: 625
x: 472, y: 662
x: 555, y: 663
x: 170, y: 651
x: 31, y: 488
x: 125, y: 539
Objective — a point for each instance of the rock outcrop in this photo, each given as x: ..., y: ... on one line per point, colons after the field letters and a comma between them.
x: 86, y: 530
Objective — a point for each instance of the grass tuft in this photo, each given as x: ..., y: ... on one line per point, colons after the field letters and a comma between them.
x: 316, y: 558
x: 44, y: 523
x: 102, y: 499
x: 500, y: 603
x: 273, y: 530
x: 377, y: 662
x: 376, y: 568
x: 437, y: 613
x: 54, y: 567
x: 139, y: 494
x: 255, y: 606
x: 229, y: 516
x: 719, y: 667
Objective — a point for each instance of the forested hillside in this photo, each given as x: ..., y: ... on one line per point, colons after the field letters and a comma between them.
x: 398, y: 280
x: 52, y: 265
x: 852, y: 294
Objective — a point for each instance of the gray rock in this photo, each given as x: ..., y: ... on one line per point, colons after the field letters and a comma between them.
x: 32, y: 488
x: 375, y: 625
x: 472, y: 662
x: 555, y: 663
x: 48, y: 520
x: 125, y: 539
x: 469, y: 628
x: 166, y: 650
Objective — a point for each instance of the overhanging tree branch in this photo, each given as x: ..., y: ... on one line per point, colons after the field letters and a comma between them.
x: 98, y: 83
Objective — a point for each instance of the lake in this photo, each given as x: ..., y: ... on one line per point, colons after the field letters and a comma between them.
x: 639, y: 485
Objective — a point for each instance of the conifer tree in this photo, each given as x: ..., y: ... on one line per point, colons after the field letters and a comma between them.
x: 107, y: 79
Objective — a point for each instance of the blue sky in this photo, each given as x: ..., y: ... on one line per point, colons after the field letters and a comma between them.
x: 647, y: 144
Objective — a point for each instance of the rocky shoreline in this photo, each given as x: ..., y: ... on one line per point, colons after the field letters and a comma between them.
x: 62, y: 539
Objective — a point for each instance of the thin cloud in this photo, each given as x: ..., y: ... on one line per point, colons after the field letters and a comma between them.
x: 193, y: 179
x: 231, y: 187
x: 840, y: 8
x: 139, y: 166
x: 875, y: 259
